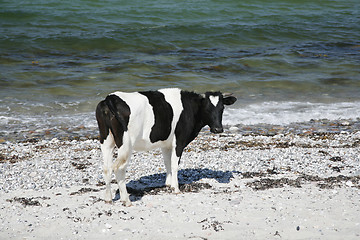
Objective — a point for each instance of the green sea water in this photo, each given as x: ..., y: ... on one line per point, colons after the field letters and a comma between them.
x: 59, y: 58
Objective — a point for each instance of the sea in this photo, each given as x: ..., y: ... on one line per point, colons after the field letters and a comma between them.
x: 286, y: 61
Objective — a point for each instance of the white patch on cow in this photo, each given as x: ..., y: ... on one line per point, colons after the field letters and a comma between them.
x: 141, y: 120
x: 173, y: 97
x: 214, y: 100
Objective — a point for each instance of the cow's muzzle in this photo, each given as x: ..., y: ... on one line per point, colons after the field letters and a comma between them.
x: 217, y: 130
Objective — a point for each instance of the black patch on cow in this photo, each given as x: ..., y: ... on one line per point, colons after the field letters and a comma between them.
x: 163, y: 113
x: 190, y: 122
x: 198, y: 111
x: 113, y: 113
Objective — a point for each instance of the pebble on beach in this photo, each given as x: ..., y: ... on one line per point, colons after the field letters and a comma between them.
x: 224, y: 171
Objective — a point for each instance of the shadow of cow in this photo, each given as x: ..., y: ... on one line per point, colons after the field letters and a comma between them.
x: 188, y: 182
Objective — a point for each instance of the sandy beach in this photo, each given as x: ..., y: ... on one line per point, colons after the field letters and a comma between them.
x: 234, y: 186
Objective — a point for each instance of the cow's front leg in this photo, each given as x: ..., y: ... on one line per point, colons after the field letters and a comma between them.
x: 174, y: 171
x: 167, y: 160
x: 171, y: 164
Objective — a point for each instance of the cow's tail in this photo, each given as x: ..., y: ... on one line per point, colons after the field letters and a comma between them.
x: 119, y: 109
x: 112, y: 114
x: 103, y: 120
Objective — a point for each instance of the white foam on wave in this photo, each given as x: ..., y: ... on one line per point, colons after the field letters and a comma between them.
x: 18, y: 123
x: 283, y: 113
x: 23, y: 116
x: 278, y: 113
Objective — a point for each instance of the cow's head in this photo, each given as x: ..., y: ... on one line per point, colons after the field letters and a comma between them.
x: 213, y: 108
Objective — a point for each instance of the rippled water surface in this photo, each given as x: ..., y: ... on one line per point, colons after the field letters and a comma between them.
x: 285, y: 60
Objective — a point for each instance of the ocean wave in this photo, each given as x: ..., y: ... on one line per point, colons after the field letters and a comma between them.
x: 282, y: 113
x: 275, y: 113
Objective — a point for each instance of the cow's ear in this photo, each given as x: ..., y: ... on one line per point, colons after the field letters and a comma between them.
x: 229, y: 100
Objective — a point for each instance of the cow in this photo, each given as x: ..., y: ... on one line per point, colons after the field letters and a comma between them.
x: 167, y: 118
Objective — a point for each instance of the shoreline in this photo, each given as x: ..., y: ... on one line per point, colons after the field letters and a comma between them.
x: 256, y: 186
x: 82, y: 133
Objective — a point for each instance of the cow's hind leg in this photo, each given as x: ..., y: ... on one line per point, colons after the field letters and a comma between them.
x: 119, y: 167
x: 120, y: 178
x: 107, y: 149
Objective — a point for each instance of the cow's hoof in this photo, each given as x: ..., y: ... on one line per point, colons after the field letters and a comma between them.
x: 175, y: 190
x: 108, y: 202
x: 127, y: 204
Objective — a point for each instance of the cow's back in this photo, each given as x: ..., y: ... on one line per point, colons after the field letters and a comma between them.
x: 153, y: 117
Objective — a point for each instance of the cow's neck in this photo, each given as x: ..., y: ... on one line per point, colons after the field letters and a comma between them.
x: 198, y: 118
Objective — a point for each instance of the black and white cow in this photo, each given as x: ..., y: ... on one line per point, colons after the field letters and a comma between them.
x: 168, y: 119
